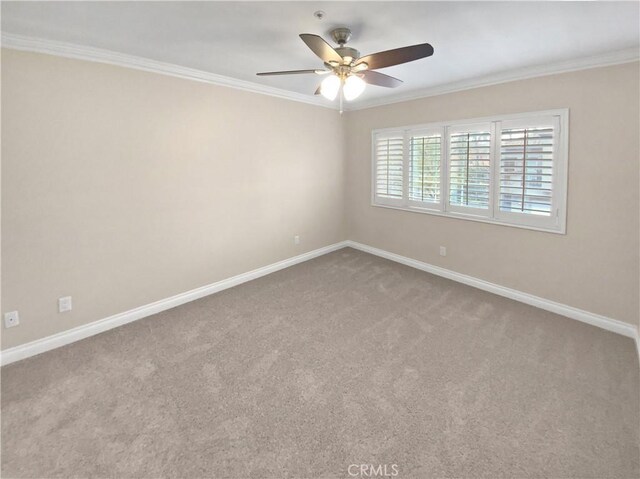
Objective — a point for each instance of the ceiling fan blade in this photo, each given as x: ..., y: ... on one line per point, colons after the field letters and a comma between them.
x: 397, y: 56
x: 291, y: 72
x: 321, y: 48
x: 380, y: 79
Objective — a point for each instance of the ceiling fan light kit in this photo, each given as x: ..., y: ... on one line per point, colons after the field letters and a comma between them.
x: 329, y: 87
x: 353, y: 87
x: 348, y: 72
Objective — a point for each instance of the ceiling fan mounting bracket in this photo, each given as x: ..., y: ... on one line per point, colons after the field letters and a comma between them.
x: 341, y: 35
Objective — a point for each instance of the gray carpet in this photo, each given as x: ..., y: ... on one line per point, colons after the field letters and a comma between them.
x: 346, y: 359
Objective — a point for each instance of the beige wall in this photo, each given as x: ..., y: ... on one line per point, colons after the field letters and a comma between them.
x: 595, y: 266
x: 121, y: 187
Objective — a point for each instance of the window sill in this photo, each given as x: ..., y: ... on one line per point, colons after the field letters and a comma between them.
x: 479, y: 219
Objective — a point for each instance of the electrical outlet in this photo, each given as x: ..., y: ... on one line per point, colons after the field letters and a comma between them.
x: 64, y: 304
x: 443, y: 251
x: 11, y: 319
x: 296, y: 239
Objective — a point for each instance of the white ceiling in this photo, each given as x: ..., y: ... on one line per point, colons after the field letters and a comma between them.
x: 238, y: 39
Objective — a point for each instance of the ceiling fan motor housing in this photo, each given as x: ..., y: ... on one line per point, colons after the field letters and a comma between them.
x: 348, y: 53
x: 341, y: 36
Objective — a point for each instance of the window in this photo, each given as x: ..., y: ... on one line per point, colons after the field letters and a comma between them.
x: 508, y: 170
x: 528, y: 169
x: 425, y: 151
x: 389, y: 168
x: 469, y: 167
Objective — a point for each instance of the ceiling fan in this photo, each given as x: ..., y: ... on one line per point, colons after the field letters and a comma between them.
x: 348, y: 72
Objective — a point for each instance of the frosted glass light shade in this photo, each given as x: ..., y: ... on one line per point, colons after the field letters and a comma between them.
x: 329, y: 87
x: 353, y: 87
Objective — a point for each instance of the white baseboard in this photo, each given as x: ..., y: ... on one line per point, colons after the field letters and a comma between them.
x: 81, y: 332
x: 600, y: 321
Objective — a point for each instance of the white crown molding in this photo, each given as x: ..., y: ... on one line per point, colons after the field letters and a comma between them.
x: 585, y: 63
x: 593, y: 319
x: 69, y: 50
x: 79, y: 52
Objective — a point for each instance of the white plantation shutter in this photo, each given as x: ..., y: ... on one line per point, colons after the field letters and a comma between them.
x: 389, y: 169
x: 527, y: 176
x: 510, y: 170
x: 526, y: 169
x: 470, y: 167
x: 425, y: 160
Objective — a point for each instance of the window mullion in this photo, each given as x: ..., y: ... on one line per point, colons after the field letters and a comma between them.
x: 444, y: 173
x: 406, y: 160
x: 494, y: 161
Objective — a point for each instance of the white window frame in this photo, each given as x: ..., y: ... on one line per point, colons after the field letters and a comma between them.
x: 381, y: 200
x: 469, y: 128
x: 556, y: 223
x: 424, y: 205
x: 549, y: 222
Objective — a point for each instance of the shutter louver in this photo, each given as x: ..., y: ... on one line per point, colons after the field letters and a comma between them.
x: 526, y: 170
x: 469, y: 169
x: 389, y: 168
x: 424, y: 168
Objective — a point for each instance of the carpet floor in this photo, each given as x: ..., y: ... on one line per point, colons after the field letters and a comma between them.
x: 347, y: 359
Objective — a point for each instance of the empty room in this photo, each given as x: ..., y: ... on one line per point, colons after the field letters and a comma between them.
x: 320, y: 239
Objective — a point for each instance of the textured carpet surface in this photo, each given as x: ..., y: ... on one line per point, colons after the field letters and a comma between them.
x: 345, y: 359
